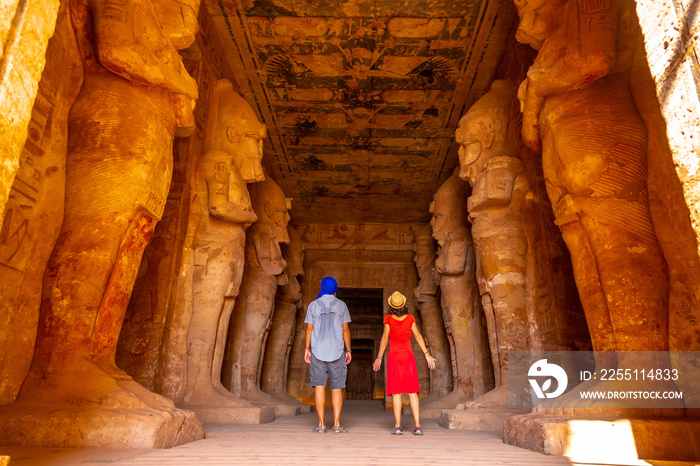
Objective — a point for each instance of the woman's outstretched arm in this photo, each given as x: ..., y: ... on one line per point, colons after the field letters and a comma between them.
x: 421, y: 343
x: 382, y: 346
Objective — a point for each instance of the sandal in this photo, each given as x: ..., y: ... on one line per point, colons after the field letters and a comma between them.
x: 397, y: 431
x: 417, y: 431
x: 319, y: 430
x: 339, y: 430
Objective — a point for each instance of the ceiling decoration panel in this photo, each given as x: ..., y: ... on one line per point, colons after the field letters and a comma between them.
x: 361, y: 98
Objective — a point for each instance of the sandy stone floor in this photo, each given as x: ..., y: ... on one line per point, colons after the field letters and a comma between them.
x: 289, y: 441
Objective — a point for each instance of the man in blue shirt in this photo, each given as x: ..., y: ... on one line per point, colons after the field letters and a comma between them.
x: 327, y: 333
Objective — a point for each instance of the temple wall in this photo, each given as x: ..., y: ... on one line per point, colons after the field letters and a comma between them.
x: 25, y: 29
x: 34, y: 209
x: 666, y: 88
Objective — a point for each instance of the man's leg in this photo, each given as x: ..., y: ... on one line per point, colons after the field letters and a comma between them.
x: 337, y: 400
x: 320, y: 402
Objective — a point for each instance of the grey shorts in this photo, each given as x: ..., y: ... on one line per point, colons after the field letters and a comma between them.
x: 320, y: 370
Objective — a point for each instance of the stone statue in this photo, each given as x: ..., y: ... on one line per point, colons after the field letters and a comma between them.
x: 279, y: 341
x: 578, y: 110
x: 498, y: 190
x: 455, y: 273
x: 264, y: 271
x: 222, y: 210
x: 135, y: 97
x: 441, y: 382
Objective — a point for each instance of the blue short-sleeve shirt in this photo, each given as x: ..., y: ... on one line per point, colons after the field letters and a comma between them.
x: 327, y: 314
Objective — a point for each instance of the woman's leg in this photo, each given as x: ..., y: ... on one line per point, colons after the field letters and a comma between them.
x: 415, y: 408
x: 396, y: 402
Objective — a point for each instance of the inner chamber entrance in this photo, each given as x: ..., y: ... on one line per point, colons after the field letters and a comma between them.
x: 367, y: 314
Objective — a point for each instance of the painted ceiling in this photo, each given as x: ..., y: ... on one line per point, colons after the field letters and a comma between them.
x: 361, y: 98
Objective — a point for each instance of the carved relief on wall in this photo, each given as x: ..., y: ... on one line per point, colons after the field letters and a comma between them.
x: 357, y: 236
x: 34, y: 210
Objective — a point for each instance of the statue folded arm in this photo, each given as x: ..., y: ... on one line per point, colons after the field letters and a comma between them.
x: 216, y: 175
x: 267, y: 249
x: 121, y: 52
x: 455, y: 254
x: 585, y: 51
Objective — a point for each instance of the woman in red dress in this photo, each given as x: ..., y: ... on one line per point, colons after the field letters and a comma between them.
x: 401, y: 372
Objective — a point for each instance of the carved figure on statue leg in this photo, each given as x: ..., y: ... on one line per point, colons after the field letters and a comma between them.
x: 426, y: 293
x: 455, y: 269
x: 222, y: 209
x: 279, y: 342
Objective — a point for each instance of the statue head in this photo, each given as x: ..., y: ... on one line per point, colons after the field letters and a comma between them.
x: 425, y: 249
x: 538, y: 19
x: 448, y: 209
x: 232, y: 126
x: 482, y: 132
x: 271, y: 207
x: 178, y: 18
x: 294, y: 253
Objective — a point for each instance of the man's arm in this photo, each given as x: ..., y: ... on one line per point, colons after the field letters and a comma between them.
x: 346, y: 339
x: 307, y: 346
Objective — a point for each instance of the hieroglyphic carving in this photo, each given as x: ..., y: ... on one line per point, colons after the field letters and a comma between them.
x: 34, y: 210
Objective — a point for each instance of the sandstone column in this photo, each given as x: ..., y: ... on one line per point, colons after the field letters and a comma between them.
x: 135, y: 97
x: 579, y: 112
x: 273, y: 380
x: 495, y: 211
x: 264, y: 271
x: 221, y: 211
x: 455, y: 270
x: 441, y: 379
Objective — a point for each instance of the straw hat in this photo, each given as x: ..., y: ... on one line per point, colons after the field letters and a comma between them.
x: 397, y: 300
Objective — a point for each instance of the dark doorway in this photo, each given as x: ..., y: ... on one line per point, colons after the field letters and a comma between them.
x: 367, y: 314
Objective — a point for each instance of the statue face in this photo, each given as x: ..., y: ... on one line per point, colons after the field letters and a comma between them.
x: 538, y: 19
x: 424, y: 253
x: 246, y: 145
x: 440, y: 220
x: 470, y: 147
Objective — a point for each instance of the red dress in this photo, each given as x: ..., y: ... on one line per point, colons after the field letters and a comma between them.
x: 401, y: 372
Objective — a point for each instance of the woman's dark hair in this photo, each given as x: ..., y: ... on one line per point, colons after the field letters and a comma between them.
x: 398, y: 312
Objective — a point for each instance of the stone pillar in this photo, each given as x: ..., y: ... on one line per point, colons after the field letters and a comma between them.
x: 495, y: 211
x: 264, y: 271
x: 579, y: 112
x: 135, y: 97
x: 221, y: 211
x: 273, y: 380
x: 427, y: 301
x: 455, y: 270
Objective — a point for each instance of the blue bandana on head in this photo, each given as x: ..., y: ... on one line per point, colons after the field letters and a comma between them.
x: 328, y: 286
